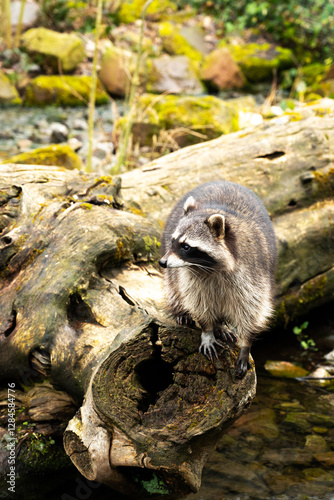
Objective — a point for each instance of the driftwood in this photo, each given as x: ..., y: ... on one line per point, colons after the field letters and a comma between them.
x: 81, y: 304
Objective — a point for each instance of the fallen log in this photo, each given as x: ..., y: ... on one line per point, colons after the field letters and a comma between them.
x: 81, y: 304
x: 81, y: 307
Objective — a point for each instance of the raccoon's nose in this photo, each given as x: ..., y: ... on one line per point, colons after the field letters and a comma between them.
x: 163, y: 262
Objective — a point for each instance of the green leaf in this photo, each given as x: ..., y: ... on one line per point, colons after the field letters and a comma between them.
x: 304, y: 325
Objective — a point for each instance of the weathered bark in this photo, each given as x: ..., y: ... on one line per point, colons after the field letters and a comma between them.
x: 81, y: 302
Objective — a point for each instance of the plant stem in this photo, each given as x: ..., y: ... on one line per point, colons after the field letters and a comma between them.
x: 19, y: 25
x: 122, y: 154
x: 7, y: 26
x: 92, y: 95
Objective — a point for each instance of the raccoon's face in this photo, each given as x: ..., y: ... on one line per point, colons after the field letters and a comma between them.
x: 199, y: 241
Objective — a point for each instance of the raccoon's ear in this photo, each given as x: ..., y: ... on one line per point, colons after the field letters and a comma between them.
x: 189, y: 205
x: 216, y: 223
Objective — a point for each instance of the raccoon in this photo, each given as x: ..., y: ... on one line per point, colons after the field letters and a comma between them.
x: 219, y: 254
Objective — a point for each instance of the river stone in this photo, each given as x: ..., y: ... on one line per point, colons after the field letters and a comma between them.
x: 173, y: 74
x: 117, y: 66
x: 59, y: 132
x: 316, y: 444
x: 221, y: 72
x: 30, y: 13
x: 8, y: 93
x: 61, y: 155
x: 62, y: 91
x: 195, y: 36
x: 260, y: 422
x: 66, y: 48
x: 130, y: 10
x: 258, y: 61
x: 278, y: 482
x: 285, y: 369
x: 326, y: 459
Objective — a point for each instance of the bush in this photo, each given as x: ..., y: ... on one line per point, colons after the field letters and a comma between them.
x: 306, y: 25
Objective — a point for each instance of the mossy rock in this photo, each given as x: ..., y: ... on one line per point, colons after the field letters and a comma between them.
x: 173, y: 74
x: 50, y: 48
x: 189, y: 119
x: 130, y: 10
x: 9, y: 96
x: 62, y: 91
x: 176, y: 44
x: 117, y: 66
x: 57, y: 154
x: 258, y: 61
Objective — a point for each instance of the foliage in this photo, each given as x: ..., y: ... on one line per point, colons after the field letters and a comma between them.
x: 302, y: 25
x: 77, y: 15
x: 305, y: 342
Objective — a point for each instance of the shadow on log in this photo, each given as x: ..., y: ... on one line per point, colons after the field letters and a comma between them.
x: 83, y: 334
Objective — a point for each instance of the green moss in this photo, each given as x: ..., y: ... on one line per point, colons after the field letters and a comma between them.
x: 66, y: 48
x: 9, y: 96
x: 130, y: 10
x: 293, y: 305
x: 62, y: 91
x: 258, y: 61
x: 175, y: 44
x: 56, y: 154
x: 197, y: 118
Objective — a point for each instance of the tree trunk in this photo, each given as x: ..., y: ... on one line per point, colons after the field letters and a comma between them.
x: 81, y: 302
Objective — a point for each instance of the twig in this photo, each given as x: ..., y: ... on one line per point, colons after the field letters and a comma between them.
x: 92, y: 95
x: 121, y: 157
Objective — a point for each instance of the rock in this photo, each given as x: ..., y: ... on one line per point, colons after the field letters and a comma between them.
x: 277, y: 482
x: 64, y: 48
x: 103, y: 150
x: 326, y: 459
x: 258, y: 60
x: 62, y: 91
x: 320, y: 375
x: 59, y: 132
x: 30, y: 13
x: 176, y: 44
x: 61, y: 155
x: 317, y: 474
x: 299, y: 421
x: 80, y: 124
x: 129, y: 40
x: 221, y: 72
x: 74, y: 143
x: 187, y: 119
x: 173, y: 74
x: 316, y: 444
x: 130, y: 10
x: 260, y: 422
x: 24, y: 144
x: 117, y: 66
x: 8, y: 93
x: 195, y: 36
x: 285, y: 369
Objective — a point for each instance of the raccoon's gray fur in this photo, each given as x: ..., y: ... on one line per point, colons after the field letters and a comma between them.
x: 219, y: 251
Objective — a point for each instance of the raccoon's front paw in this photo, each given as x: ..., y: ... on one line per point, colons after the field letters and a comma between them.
x: 242, y: 365
x: 223, y: 332
x: 185, y: 319
x: 208, y: 347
